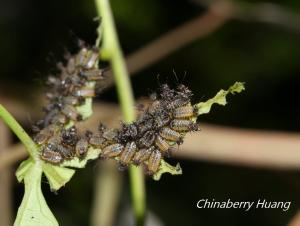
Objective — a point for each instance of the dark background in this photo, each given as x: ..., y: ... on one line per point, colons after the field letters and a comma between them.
x: 264, y: 56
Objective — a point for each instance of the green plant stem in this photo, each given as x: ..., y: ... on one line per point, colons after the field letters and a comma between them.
x: 137, y: 187
x: 111, y: 51
x: 19, y: 131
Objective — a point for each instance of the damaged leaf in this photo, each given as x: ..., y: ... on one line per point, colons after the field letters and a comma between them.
x: 219, y: 98
x: 167, y: 168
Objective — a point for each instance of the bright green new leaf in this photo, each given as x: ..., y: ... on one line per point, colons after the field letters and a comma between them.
x: 57, y: 176
x: 167, y: 168
x: 219, y: 98
x: 86, y: 109
x: 33, y: 209
x: 23, y: 169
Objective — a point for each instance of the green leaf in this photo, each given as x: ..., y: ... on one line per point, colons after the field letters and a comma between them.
x: 86, y: 109
x: 80, y: 163
x: 33, y: 210
x: 23, y: 169
x: 57, y: 176
x: 167, y: 168
x: 219, y: 98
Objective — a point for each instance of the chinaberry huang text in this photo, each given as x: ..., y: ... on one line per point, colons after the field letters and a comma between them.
x: 245, y: 205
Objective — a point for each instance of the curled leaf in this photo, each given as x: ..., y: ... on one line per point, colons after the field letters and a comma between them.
x: 167, y: 168
x: 219, y: 98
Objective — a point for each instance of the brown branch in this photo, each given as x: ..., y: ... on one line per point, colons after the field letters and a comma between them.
x: 295, y: 220
x: 22, y: 111
x: 216, y: 16
x: 5, y: 180
x: 262, y: 12
x: 254, y: 148
x: 108, y: 184
x: 13, y: 154
x: 200, y: 27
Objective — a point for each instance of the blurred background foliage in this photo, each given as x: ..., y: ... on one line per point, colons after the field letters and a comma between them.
x: 264, y: 56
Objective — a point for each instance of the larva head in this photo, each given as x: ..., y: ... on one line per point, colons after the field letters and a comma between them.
x: 184, y: 92
x: 147, y: 139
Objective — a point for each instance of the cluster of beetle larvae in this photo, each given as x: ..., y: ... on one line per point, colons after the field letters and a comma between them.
x: 160, y: 126
x: 68, y: 90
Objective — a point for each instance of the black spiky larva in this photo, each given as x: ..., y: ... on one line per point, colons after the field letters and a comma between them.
x: 128, y: 153
x: 184, y: 112
x: 147, y: 139
x: 161, y: 119
x: 66, y: 152
x: 69, y: 136
x: 112, y: 150
x: 52, y: 157
x: 177, y: 103
x: 44, y: 135
x: 70, y: 112
x: 142, y: 155
x: 170, y: 134
x: 110, y: 134
x: 71, y: 100
x: 97, y: 140
x: 92, y: 74
x: 162, y: 144
x: 81, y: 147
x: 154, y: 161
x: 85, y: 92
x: 183, y: 125
x: 59, y: 118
